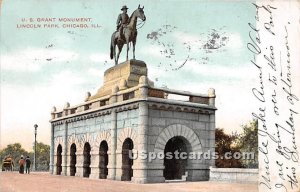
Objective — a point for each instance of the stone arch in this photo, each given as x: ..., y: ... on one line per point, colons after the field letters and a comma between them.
x: 102, y: 136
x: 58, y: 159
x: 73, y: 159
x: 72, y: 139
x: 126, y: 133
x: 86, y: 138
x: 176, y: 168
x: 86, y: 159
x: 177, y: 130
x: 103, y: 160
x: 58, y: 141
x: 127, y: 162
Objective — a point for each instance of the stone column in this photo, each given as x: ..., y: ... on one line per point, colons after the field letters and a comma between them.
x: 65, y: 150
x: 212, y: 130
x: 54, y: 164
x: 113, y: 97
x: 68, y: 157
x: 94, y: 163
x: 212, y: 124
x: 118, y: 156
x: 112, y: 148
x: 140, y: 165
x: 212, y: 96
x: 51, y: 165
x: 79, y: 163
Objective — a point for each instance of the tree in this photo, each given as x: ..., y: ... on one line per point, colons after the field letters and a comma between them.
x: 42, y: 156
x: 247, y: 141
x: 225, y: 143
x: 15, y: 150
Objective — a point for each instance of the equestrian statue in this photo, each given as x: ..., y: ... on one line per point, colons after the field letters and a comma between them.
x: 126, y: 32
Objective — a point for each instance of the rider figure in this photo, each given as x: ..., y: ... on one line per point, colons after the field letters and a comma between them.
x: 122, y: 21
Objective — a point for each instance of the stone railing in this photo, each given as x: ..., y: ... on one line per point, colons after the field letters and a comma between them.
x: 234, y: 175
x: 164, y: 93
x: 143, y: 90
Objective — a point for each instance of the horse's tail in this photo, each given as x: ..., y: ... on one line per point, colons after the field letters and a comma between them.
x: 111, y: 51
x: 112, y: 45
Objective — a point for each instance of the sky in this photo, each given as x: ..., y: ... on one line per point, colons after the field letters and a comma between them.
x: 187, y: 45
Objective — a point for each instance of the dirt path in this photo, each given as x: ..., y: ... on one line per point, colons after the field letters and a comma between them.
x: 44, y: 182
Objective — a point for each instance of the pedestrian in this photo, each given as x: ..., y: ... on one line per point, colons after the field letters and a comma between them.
x: 28, y: 162
x: 21, y: 164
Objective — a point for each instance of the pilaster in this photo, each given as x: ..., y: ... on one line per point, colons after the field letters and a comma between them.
x: 51, y: 165
x: 112, y: 148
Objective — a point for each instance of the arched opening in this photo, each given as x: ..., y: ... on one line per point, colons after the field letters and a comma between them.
x: 103, y: 160
x: 127, y: 162
x: 73, y: 160
x: 175, y: 167
x: 86, y: 160
x: 58, y: 160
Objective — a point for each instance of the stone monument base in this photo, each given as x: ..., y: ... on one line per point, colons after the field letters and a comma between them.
x: 124, y: 75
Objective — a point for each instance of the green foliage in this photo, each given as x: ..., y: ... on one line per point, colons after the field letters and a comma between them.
x: 248, y: 142
x: 43, y: 156
x: 16, y: 150
x: 224, y: 144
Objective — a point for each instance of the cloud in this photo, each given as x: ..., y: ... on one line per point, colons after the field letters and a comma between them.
x: 66, y: 79
x: 33, y: 59
x: 95, y: 72
x: 155, y: 71
x: 99, y: 58
x: 68, y: 86
x: 244, y: 71
x: 235, y: 41
x: 186, y: 38
x: 24, y: 106
x: 153, y: 51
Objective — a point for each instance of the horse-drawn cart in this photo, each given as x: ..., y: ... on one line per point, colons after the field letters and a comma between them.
x: 8, y: 164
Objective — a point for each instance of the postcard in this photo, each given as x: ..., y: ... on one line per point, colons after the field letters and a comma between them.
x: 143, y: 95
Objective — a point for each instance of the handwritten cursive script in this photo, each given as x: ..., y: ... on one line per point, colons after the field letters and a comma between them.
x: 269, y: 42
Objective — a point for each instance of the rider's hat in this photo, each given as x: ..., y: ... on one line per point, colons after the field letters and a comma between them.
x: 124, y: 7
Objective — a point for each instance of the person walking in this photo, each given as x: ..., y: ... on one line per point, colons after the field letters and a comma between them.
x: 28, y: 162
x: 21, y: 164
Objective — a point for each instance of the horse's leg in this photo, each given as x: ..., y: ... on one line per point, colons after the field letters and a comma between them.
x: 118, y: 55
x: 133, y: 49
x: 116, y: 61
x: 127, y: 39
x: 120, y: 49
x: 127, y: 43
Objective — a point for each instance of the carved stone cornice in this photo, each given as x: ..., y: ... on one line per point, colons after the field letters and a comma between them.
x: 178, y: 108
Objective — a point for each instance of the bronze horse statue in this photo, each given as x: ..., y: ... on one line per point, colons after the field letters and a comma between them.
x: 129, y: 35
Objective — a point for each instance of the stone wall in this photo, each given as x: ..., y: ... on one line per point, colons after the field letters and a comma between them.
x: 94, y: 131
x: 197, y: 129
x: 234, y: 175
x: 142, y: 123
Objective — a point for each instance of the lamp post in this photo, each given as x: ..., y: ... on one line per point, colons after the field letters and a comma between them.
x: 35, y: 132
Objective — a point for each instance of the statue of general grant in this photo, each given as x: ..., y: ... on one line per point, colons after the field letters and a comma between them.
x: 122, y: 21
x: 126, y: 32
